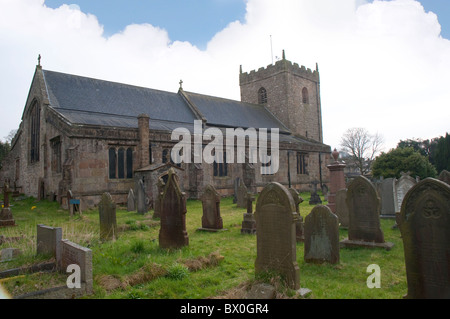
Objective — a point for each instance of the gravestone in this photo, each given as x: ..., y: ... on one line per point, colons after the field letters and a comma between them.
x: 315, y: 198
x: 321, y: 236
x: 342, y: 208
x: 299, y: 226
x: 444, y: 176
x: 424, y: 223
x: 241, y: 195
x: 173, y: 233
x: 6, y: 217
x: 275, y: 240
x: 157, y: 203
x: 387, y: 190
x: 364, y: 216
x: 108, y: 223
x: 402, y: 186
x: 48, y: 241
x: 211, y: 219
x: 236, y: 184
x: 325, y: 192
x: 74, y: 254
x: 131, y: 201
x: 141, y: 198
x: 249, y: 222
x: 9, y: 254
x: 337, y: 180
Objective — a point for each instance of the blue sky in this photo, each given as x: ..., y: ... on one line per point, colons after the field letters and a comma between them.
x: 384, y: 67
x: 196, y: 21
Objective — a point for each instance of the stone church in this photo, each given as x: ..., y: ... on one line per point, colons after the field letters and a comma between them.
x: 91, y: 136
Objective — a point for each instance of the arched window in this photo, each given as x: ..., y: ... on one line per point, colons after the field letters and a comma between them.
x: 130, y: 163
x: 112, y: 162
x: 221, y: 169
x: 121, y: 163
x: 262, y: 96
x: 35, y: 127
x: 305, y: 96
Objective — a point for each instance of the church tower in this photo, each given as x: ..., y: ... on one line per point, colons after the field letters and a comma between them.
x: 290, y: 92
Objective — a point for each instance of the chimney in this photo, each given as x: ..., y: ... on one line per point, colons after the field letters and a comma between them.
x: 144, y: 140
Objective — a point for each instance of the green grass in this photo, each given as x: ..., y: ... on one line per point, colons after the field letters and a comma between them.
x: 159, y: 273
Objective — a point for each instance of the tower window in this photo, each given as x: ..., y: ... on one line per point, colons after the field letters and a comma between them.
x: 262, y: 96
x: 305, y: 97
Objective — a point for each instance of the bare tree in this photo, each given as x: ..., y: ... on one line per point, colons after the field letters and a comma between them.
x: 362, y: 146
x: 10, y: 136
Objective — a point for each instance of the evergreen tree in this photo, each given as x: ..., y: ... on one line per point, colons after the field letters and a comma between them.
x: 403, y: 159
x: 441, y: 156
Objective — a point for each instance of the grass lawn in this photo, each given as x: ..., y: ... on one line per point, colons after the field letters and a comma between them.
x: 134, y: 266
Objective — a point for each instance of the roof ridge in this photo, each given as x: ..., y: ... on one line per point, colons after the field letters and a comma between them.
x: 112, y: 82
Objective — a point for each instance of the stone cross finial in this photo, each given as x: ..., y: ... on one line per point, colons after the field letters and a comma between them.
x: 39, y: 60
x: 181, y: 84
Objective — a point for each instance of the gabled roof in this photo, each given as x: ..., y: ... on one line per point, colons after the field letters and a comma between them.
x: 85, y: 100
x: 89, y: 101
x: 230, y: 113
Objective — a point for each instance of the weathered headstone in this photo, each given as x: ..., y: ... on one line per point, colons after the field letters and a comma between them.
x: 236, y: 184
x: 241, y: 196
x: 74, y: 254
x: 315, y: 198
x: 211, y: 219
x: 157, y: 202
x: 387, y: 189
x: 342, y: 208
x: 8, y: 254
x: 173, y: 233
x: 6, y: 217
x: 108, y: 223
x: 402, y: 186
x: 131, y: 201
x: 444, y: 176
x: 364, y: 216
x: 299, y: 226
x: 275, y: 240
x: 249, y: 222
x: 424, y: 223
x: 321, y: 236
x: 48, y: 241
x: 141, y: 198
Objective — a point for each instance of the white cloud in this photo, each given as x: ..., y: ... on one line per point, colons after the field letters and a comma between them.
x: 384, y: 65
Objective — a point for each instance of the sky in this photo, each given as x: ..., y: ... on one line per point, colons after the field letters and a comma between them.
x: 384, y: 65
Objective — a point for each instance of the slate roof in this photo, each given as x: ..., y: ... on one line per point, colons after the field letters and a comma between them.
x: 230, y: 113
x: 88, y: 101
x: 85, y: 100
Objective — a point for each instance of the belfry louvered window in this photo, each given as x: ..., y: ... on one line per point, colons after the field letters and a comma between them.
x: 305, y: 96
x: 262, y: 96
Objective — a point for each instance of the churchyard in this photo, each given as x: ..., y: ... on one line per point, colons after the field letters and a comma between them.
x: 212, y: 264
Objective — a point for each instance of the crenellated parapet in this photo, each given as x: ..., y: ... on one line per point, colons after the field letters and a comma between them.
x: 280, y: 66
